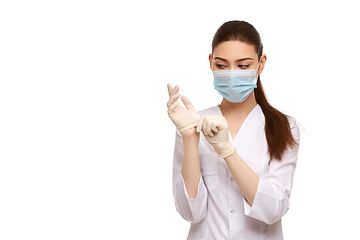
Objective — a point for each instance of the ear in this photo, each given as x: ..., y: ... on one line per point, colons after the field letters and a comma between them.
x: 210, y: 60
x: 262, y: 63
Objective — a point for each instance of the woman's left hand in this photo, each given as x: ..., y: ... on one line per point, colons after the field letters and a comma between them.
x: 215, y: 130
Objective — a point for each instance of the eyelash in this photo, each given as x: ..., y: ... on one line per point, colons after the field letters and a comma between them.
x: 244, y: 66
x: 220, y: 66
x: 240, y: 66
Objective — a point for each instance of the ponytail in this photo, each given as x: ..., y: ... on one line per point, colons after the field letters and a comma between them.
x: 277, y: 128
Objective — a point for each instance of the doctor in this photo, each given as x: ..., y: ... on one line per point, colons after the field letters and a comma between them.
x: 234, y: 163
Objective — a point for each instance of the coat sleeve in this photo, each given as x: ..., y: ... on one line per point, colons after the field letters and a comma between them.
x: 191, y: 209
x: 271, y: 200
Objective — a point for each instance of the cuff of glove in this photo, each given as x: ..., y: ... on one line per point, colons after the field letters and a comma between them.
x: 229, y: 150
x: 183, y: 129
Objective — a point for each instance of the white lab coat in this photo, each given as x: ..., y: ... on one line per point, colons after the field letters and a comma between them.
x: 219, y: 210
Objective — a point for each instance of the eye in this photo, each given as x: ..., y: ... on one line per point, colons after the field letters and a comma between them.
x: 220, y: 66
x: 243, y: 66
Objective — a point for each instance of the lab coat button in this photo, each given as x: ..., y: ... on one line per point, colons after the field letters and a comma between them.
x: 232, y: 179
x: 232, y: 211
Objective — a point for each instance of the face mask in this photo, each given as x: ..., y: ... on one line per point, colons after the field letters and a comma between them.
x: 235, y: 85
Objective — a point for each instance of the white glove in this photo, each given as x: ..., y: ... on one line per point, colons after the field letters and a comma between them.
x: 215, y: 130
x: 183, y: 119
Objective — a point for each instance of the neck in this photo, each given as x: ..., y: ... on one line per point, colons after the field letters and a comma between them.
x: 243, y: 108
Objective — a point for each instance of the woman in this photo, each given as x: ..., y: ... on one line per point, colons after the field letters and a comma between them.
x: 234, y: 163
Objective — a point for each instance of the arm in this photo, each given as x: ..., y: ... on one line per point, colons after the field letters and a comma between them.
x: 185, y: 120
x: 245, y: 177
x: 266, y: 197
x: 190, y: 169
x: 215, y: 130
x: 272, y: 198
x: 189, y: 190
x: 190, y: 193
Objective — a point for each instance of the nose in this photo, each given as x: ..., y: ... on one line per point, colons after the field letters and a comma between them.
x: 233, y: 67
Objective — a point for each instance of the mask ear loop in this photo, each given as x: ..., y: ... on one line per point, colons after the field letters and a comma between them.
x: 257, y: 75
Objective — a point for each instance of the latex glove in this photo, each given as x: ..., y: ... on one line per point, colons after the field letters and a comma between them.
x: 215, y: 130
x: 183, y: 119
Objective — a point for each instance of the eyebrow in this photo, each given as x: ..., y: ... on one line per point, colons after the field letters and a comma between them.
x: 241, y: 59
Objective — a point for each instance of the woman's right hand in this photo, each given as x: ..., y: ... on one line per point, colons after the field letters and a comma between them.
x: 183, y: 119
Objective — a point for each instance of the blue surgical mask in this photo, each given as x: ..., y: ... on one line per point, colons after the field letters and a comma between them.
x: 235, y: 85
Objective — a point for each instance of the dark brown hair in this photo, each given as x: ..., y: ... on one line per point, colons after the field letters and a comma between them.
x: 277, y: 129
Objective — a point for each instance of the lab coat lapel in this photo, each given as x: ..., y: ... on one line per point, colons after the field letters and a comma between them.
x: 254, y: 120
x: 251, y: 124
x: 250, y: 142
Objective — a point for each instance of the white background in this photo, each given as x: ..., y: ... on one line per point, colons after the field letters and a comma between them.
x: 85, y: 141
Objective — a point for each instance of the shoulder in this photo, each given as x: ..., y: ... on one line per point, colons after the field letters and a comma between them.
x: 292, y: 122
x: 294, y: 127
x: 210, y: 111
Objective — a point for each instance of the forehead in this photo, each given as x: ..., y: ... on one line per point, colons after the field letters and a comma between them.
x: 234, y: 50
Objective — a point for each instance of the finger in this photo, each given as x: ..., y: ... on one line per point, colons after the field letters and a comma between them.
x: 214, y: 127
x: 199, y: 124
x: 174, y: 90
x: 169, y: 87
x: 187, y: 103
x: 222, y: 124
x: 204, y: 126
x: 208, y: 128
x: 173, y: 99
x: 172, y: 107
